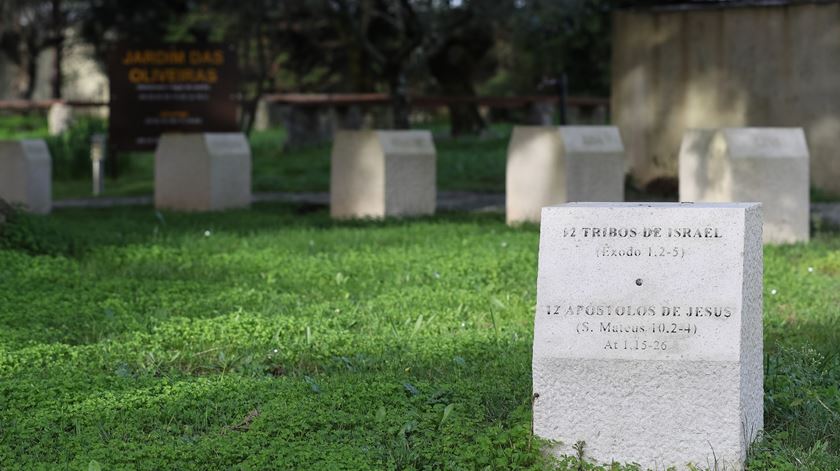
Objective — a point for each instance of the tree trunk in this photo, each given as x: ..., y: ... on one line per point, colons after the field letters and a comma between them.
x: 112, y: 163
x: 399, y: 100
x: 31, y: 74
x: 249, y: 108
x: 454, y: 65
x: 58, y: 43
x: 464, y: 117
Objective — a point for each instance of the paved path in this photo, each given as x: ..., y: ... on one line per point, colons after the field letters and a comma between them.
x: 828, y: 213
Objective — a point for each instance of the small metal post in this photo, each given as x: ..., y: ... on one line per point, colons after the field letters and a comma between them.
x: 97, y: 159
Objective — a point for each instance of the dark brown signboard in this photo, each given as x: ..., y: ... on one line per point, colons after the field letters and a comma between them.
x: 170, y: 88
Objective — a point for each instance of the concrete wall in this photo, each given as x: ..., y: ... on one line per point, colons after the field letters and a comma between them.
x: 727, y: 67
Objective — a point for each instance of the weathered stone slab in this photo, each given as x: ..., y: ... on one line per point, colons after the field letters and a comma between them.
x: 648, y: 332
x: 26, y: 174
x: 731, y: 66
x: 382, y: 173
x: 550, y: 165
x: 202, y: 172
x: 769, y: 165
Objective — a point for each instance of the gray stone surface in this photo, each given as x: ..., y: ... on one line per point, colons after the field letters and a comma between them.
x: 202, y: 172
x: 382, y: 173
x: 752, y: 64
x: 621, y: 359
x: 26, y: 174
x: 549, y: 165
x: 769, y: 165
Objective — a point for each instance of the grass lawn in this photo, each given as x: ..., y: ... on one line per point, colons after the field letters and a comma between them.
x: 276, y: 338
x: 470, y: 163
x: 465, y: 163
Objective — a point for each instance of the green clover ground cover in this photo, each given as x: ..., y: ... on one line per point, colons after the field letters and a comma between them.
x: 276, y: 338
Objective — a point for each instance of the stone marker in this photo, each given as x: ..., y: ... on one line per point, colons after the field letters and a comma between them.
x: 382, y: 173
x: 202, y: 172
x: 26, y: 174
x: 550, y: 165
x: 769, y: 165
x: 648, y: 332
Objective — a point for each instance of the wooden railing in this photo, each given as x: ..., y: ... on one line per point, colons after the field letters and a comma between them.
x: 428, y: 101
x: 31, y: 105
x: 346, y: 99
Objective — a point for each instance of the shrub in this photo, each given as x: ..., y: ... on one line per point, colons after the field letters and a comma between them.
x: 71, y: 149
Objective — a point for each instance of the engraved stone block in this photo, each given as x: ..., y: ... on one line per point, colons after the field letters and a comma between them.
x: 26, y: 174
x: 202, y: 172
x: 550, y: 165
x: 382, y: 173
x: 769, y: 165
x: 648, y: 332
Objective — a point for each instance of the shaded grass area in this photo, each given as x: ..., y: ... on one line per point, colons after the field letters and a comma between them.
x: 274, y: 338
x: 475, y: 163
x: 470, y: 163
x: 465, y: 163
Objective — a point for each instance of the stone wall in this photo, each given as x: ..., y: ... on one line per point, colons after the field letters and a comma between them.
x: 83, y: 78
x: 726, y: 66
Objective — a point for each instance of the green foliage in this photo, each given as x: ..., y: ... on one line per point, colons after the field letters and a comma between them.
x: 467, y: 163
x: 822, y: 196
x: 472, y: 163
x: 548, y: 39
x: 70, y: 150
x: 268, y: 338
x: 23, y: 126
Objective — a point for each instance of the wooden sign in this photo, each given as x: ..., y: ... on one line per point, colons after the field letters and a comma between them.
x: 170, y: 88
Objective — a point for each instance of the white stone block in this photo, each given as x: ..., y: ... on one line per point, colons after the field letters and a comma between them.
x: 59, y: 118
x: 769, y: 165
x: 202, y: 172
x: 382, y: 173
x: 648, y: 332
x: 26, y: 174
x: 550, y: 165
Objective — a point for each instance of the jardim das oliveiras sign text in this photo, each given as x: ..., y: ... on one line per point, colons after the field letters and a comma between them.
x: 170, y: 88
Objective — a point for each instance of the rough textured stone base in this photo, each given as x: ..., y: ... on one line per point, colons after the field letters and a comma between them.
x: 26, y: 174
x: 615, y: 369
x: 202, y: 172
x: 654, y: 413
x: 376, y: 174
x: 549, y: 165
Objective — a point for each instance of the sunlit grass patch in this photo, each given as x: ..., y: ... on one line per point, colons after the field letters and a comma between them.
x: 270, y: 338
